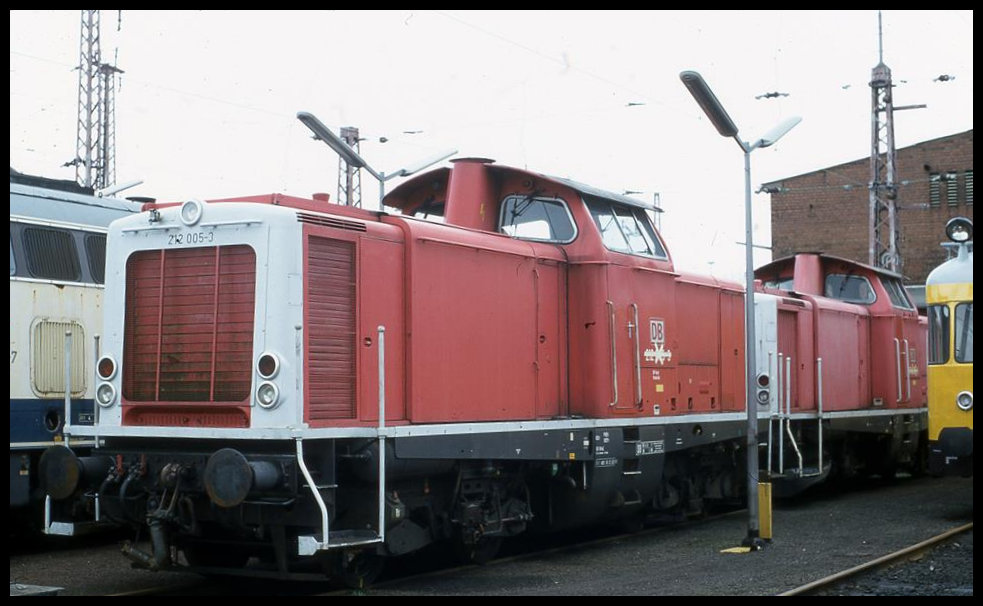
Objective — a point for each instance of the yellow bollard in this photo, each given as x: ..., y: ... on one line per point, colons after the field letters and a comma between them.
x: 764, y: 510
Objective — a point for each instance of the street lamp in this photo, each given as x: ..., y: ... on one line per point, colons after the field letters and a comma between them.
x: 725, y: 126
x: 351, y: 157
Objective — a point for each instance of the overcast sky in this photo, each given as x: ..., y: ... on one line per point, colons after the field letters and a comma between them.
x: 208, y: 101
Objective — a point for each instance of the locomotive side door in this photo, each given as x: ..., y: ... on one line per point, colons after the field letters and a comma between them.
x: 624, y: 320
x: 911, y: 379
x: 641, y: 322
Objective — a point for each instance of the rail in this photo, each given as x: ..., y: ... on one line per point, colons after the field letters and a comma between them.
x: 878, y: 562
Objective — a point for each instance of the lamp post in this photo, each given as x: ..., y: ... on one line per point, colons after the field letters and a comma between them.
x: 725, y: 126
x: 350, y: 156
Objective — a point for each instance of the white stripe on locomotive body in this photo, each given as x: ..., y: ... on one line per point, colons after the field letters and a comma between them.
x: 449, y: 429
x: 275, y: 236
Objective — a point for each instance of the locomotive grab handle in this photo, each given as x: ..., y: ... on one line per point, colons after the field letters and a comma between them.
x: 614, y: 355
x: 314, y: 490
x: 897, y: 363
x: 781, y: 414
x: 819, y: 409
x: 638, y: 357
x: 67, y: 424
x: 907, y: 370
x: 382, y: 435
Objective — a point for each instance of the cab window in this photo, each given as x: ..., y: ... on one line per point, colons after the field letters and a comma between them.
x: 430, y: 211
x: 780, y: 283
x: 964, y: 333
x: 539, y: 219
x: 938, y: 334
x: 897, y: 293
x: 849, y: 288
x: 625, y: 229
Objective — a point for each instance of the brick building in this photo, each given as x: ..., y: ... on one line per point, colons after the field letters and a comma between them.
x: 827, y: 210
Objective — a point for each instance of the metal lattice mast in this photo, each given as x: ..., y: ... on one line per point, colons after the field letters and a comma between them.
x: 884, y: 234
x: 106, y: 150
x: 88, y: 97
x: 95, y: 153
x: 349, y: 177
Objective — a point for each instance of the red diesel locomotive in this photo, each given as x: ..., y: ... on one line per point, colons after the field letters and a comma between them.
x: 519, y: 348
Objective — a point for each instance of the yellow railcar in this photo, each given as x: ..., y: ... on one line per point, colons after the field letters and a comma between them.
x: 949, y: 297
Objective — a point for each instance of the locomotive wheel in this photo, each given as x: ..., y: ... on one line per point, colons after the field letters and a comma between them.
x: 632, y: 523
x: 480, y: 552
x: 357, y: 571
x: 215, y: 555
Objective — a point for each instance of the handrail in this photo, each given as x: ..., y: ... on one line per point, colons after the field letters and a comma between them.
x: 66, y: 429
x: 614, y: 356
x: 771, y: 421
x: 819, y: 407
x: 897, y: 364
x: 314, y: 490
x: 788, y: 404
x: 638, y: 357
x: 382, y: 434
x: 781, y: 422
x: 907, y: 370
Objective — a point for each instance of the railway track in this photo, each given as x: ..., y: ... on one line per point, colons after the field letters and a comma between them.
x: 814, y: 538
x: 401, y: 572
x: 829, y: 585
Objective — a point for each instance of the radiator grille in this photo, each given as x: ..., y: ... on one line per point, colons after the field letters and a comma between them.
x: 189, y: 325
x: 329, y: 221
x: 331, y: 329
x: 48, y: 363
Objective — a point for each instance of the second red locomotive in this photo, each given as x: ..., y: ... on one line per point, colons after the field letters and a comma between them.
x: 519, y: 347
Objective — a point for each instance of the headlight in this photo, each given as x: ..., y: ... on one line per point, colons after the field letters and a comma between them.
x: 964, y: 400
x: 268, y: 365
x: 959, y: 229
x: 106, y: 367
x: 267, y: 395
x: 764, y: 382
x: 191, y: 212
x: 106, y: 394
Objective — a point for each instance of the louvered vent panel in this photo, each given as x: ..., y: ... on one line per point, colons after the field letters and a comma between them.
x: 331, y: 329
x: 189, y: 325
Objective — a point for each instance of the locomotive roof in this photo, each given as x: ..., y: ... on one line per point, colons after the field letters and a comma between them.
x: 58, y: 205
x: 782, y: 262
x: 441, y: 175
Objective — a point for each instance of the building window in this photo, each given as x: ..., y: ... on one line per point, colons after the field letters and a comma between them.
x: 968, y: 185
x: 934, y: 186
x: 951, y: 188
